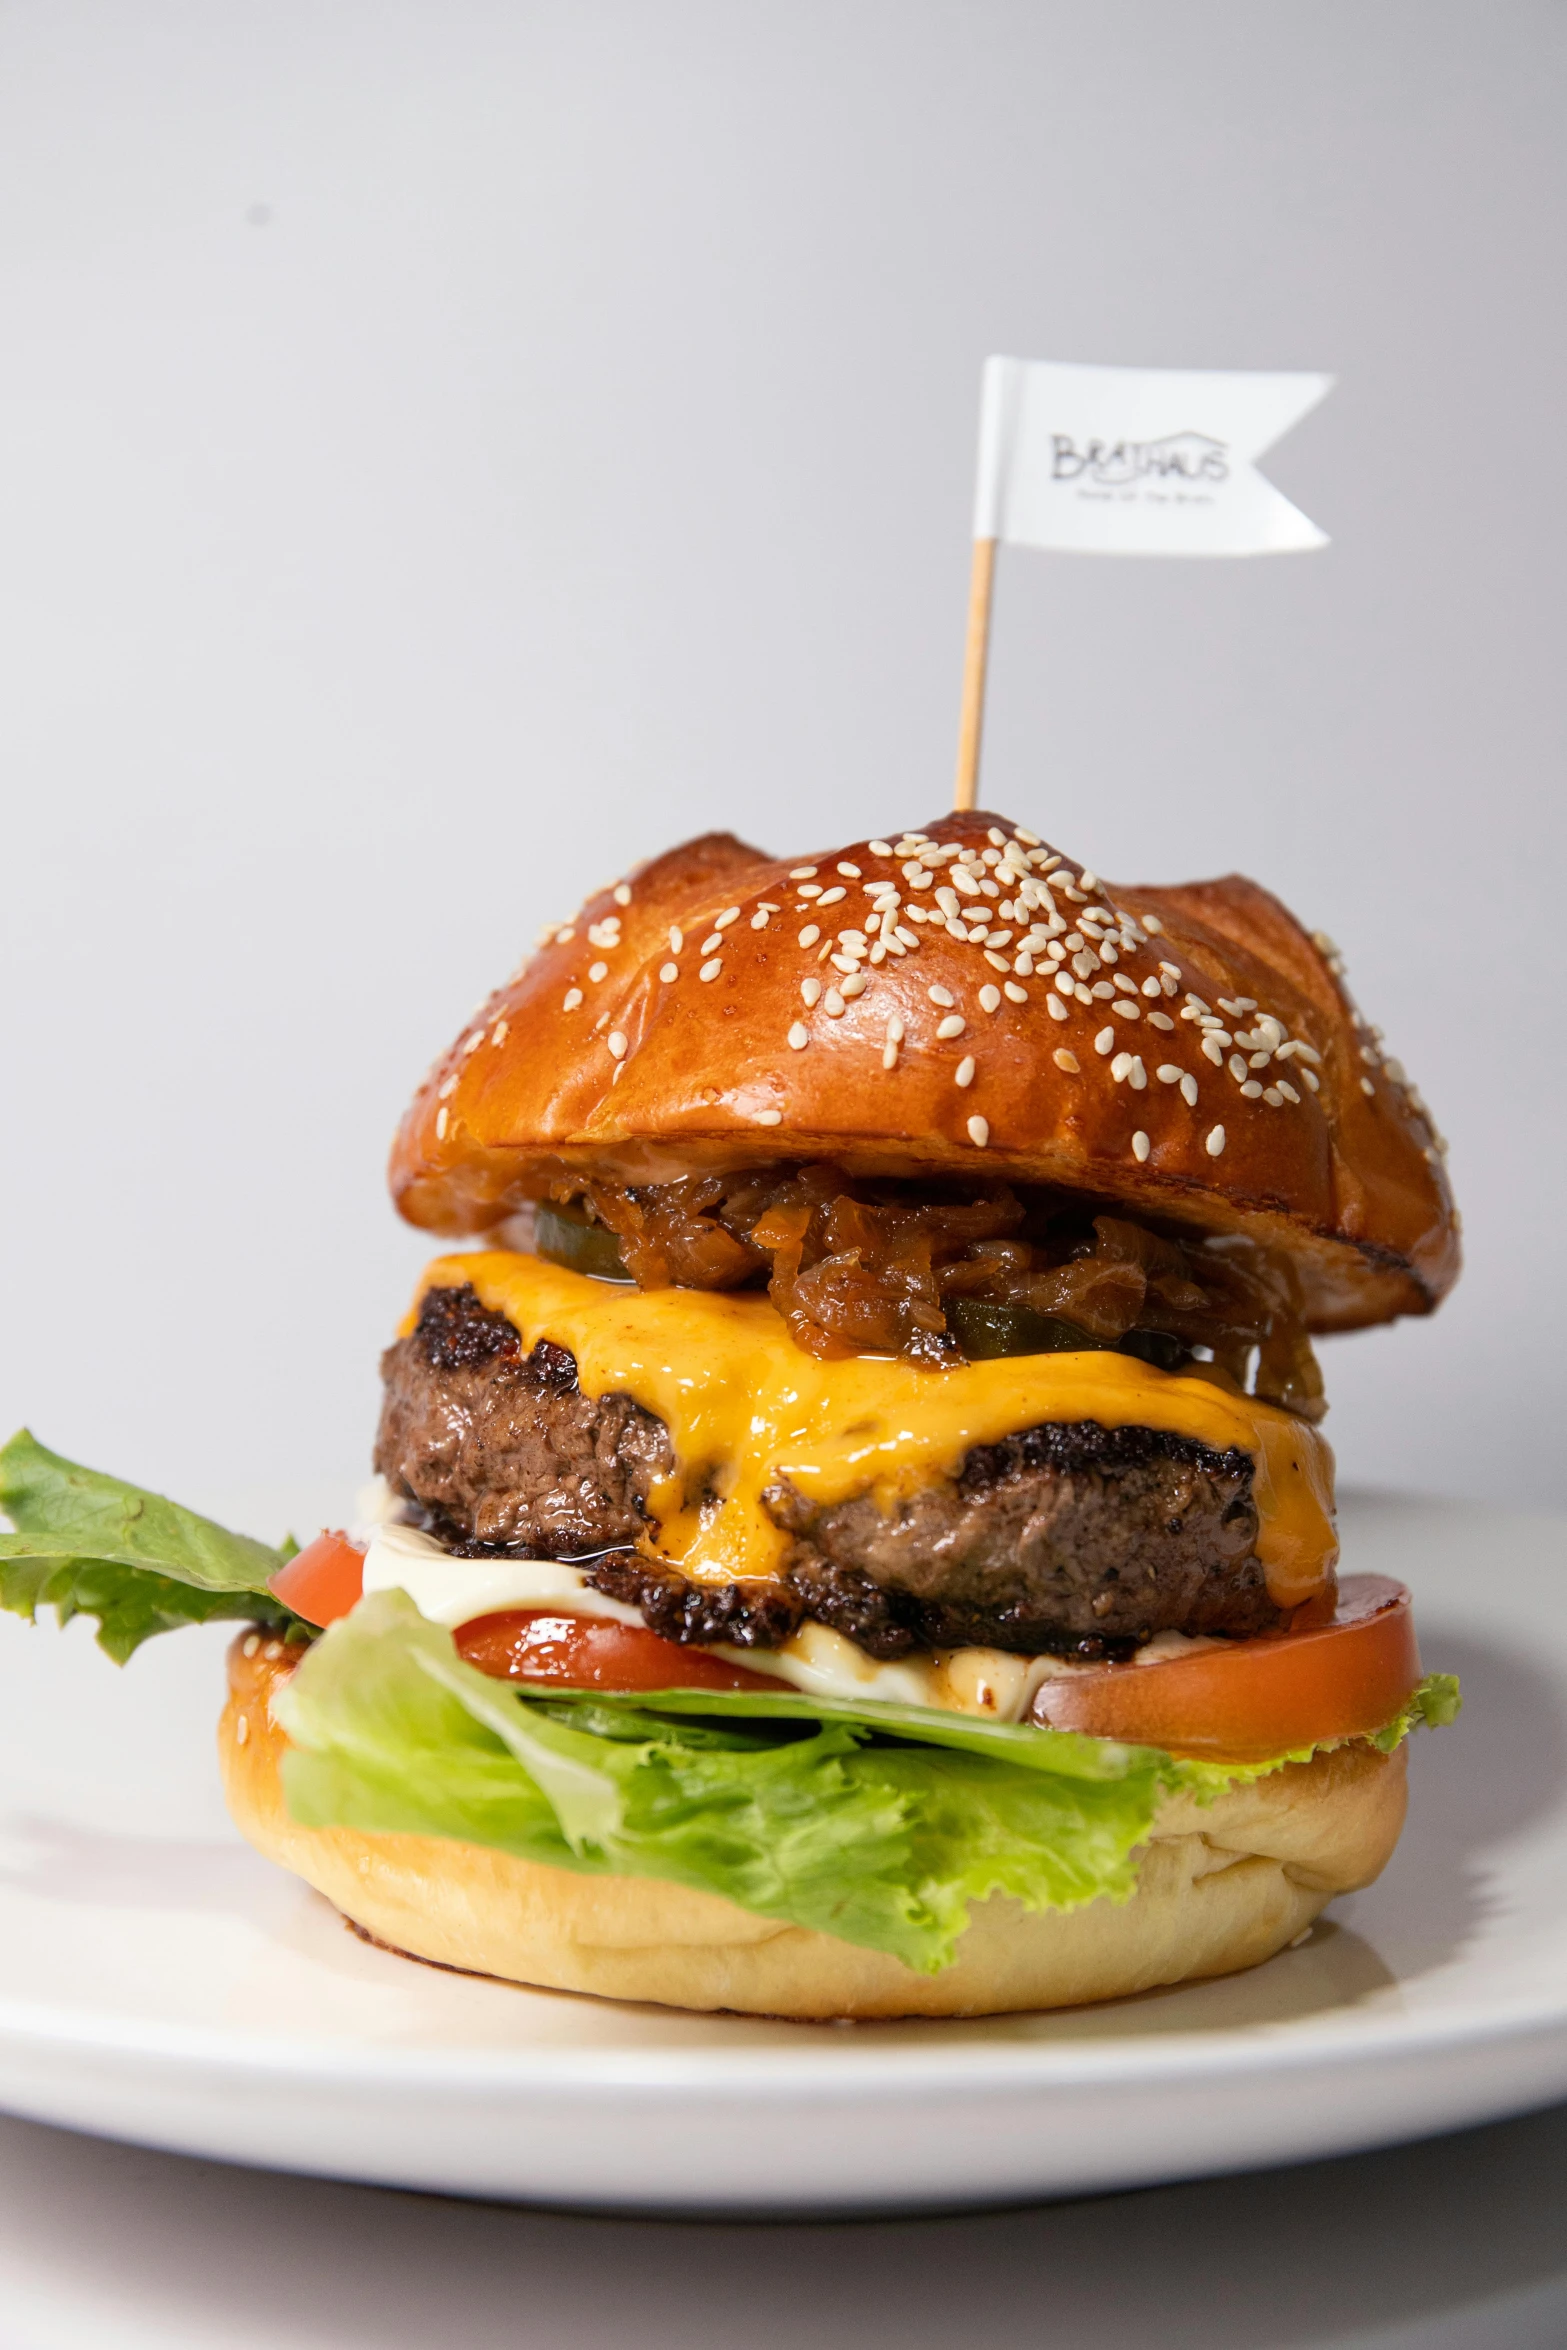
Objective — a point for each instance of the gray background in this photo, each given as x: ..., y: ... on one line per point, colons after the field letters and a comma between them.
x: 1453, y: 2245
x: 449, y: 450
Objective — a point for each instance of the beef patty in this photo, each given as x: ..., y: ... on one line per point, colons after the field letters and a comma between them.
x: 1073, y: 1538
x: 502, y: 1450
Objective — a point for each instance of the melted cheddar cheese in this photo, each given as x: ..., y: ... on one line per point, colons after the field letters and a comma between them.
x: 745, y: 1407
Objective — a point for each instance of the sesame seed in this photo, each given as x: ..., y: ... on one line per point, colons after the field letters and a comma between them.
x: 623, y: 894
x: 1023, y: 965
x: 979, y: 1131
x: 964, y: 1072
x: 500, y: 1032
x: 272, y: 1651
x: 1167, y: 1073
x: 1272, y: 1096
x: 1152, y: 924
x: 1287, y: 1090
x: 1137, y: 1074
x: 802, y: 873
x: 1141, y: 1146
x: 677, y: 938
x: 760, y: 921
x: 1029, y: 839
x: 989, y: 999
x: 1010, y: 989
x: 996, y: 962
x: 1064, y: 984
x: 1127, y: 1009
x: 833, y: 1005
x: 1104, y: 1042
x: 449, y: 1088
x: 1213, y: 1050
x: 810, y: 889
x: 1121, y: 1066
x: 880, y: 848
x: 854, y: 985
x: 769, y: 1117
x: 809, y: 935
x: 941, y: 995
x: 850, y: 872
x: 799, y: 1037
x: 1161, y: 1020
x: 902, y: 940
x: 1237, y: 1068
x: 1067, y: 1061
x: 810, y: 992
x: 1083, y: 995
x: 1366, y: 1085
x: 571, y: 999
x: 889, y: 1055
x: 894, y: 1029
x: 616, y: 1043
x: 1055, y: 1007
x: 442, y: 1121
x: 711, y: 968
x: 953, y: 1025
x: 830, y: 897
x: 723, y: 920
x: 1102, y: 991
x: 1189, y: 1090
x: 471, y: 1044
x: 598, y: 971
x: 670, y: 973
x: 250, y: 1644
x: 1251, y: 1091
x: 714, y: 938
x: 1215, y: 1142
x: 241, y: 1730
x: 564, y: 937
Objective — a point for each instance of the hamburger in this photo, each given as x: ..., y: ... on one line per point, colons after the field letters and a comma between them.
x: 851, y: 1531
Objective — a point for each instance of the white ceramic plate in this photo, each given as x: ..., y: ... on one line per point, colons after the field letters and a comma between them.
x: 160, y: 1983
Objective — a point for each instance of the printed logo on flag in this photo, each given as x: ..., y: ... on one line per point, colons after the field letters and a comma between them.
x: 1185, y: 458
x: 1138, y: 460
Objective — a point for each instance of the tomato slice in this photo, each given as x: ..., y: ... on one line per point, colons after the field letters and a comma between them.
x: 1250, y: 1699
x: 323, y: 1581
x: 592, y: 1652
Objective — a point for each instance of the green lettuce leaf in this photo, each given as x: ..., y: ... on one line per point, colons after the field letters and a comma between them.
x: 87, y: 1544
x: 810, y: 1817
x: 880, y: 1824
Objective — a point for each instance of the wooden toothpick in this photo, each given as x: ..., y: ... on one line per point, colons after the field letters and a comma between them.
x: 976, y: 654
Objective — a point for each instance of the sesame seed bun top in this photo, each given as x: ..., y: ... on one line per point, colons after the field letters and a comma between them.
x: 959, y: 1003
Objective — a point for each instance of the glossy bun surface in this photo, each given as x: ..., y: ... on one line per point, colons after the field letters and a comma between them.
x: 1184, y: 1053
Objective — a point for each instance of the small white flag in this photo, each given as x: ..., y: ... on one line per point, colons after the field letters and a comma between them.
x: 1137, y: 460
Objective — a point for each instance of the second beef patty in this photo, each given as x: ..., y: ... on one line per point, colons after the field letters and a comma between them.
x: 1067, y: 1537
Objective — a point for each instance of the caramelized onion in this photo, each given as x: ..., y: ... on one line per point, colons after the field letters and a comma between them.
x: 859, y: 1267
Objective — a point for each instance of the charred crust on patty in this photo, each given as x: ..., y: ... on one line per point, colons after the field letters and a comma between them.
x: 1069, y: 1538
x: 743, y: 1614
x: 501, y: 1450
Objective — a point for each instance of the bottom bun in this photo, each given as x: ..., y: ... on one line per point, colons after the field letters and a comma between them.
x: 1221, y: 1886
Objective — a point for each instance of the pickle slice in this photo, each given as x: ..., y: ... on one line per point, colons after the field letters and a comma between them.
x: 985, y: 1330
x: 578, y: 1245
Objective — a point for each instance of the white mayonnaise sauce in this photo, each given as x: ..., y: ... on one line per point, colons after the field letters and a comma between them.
x: 453, y: 1591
